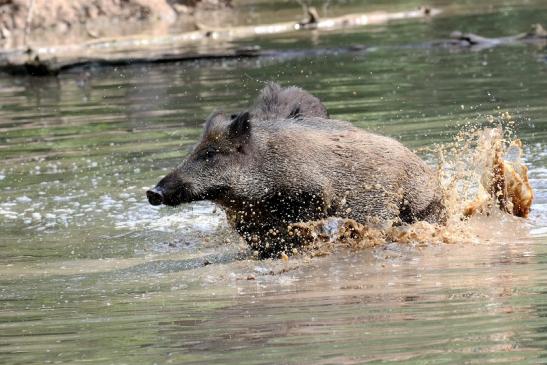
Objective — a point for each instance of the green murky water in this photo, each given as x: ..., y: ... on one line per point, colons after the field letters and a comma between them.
x: 90, y: 273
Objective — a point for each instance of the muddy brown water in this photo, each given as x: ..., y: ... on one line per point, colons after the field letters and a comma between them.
x: 90, y: 273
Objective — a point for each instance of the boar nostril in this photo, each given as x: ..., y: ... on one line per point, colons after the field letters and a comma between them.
x: 155, y: 196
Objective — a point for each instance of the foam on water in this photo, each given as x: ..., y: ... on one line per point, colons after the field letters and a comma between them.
x: 200, y: 216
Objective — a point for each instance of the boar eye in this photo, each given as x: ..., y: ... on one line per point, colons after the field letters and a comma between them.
x: 209, y: 153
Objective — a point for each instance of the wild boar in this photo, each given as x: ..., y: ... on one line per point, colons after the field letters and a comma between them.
x: 283, y: 161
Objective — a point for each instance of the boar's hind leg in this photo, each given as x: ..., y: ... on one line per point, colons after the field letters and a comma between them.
x: 434, y: 212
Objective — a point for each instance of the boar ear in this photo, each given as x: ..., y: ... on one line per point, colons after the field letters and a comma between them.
x: 240, y: 126
x: 213, y: 119
x: 295, y: 112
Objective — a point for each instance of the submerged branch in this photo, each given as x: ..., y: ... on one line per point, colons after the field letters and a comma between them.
x: 536, y: 35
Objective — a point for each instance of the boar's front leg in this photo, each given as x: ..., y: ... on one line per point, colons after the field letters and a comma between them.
x: 267, y: 238
x: 265, y: 226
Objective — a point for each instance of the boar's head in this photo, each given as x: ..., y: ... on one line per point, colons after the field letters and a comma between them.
x: 212, y: 171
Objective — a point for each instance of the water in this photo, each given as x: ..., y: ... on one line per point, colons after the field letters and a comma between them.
x: 89, y: 272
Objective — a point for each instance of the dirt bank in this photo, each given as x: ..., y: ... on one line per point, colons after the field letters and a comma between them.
x: 50, y: 22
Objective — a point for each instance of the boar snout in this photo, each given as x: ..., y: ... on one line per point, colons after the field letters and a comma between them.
x: 155, y: 196
x: 172, y: 190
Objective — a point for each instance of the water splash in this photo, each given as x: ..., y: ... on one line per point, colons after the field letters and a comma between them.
x: 483, y: 169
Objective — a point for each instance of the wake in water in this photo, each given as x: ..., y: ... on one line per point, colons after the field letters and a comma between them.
x: 482, y: 174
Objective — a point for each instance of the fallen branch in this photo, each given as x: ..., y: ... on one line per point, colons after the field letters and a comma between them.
x: 52, y: 67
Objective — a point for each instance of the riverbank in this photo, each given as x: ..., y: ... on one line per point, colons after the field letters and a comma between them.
x: 204, y: 42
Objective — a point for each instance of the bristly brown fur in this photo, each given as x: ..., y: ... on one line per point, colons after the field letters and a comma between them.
x: 275, y: 102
